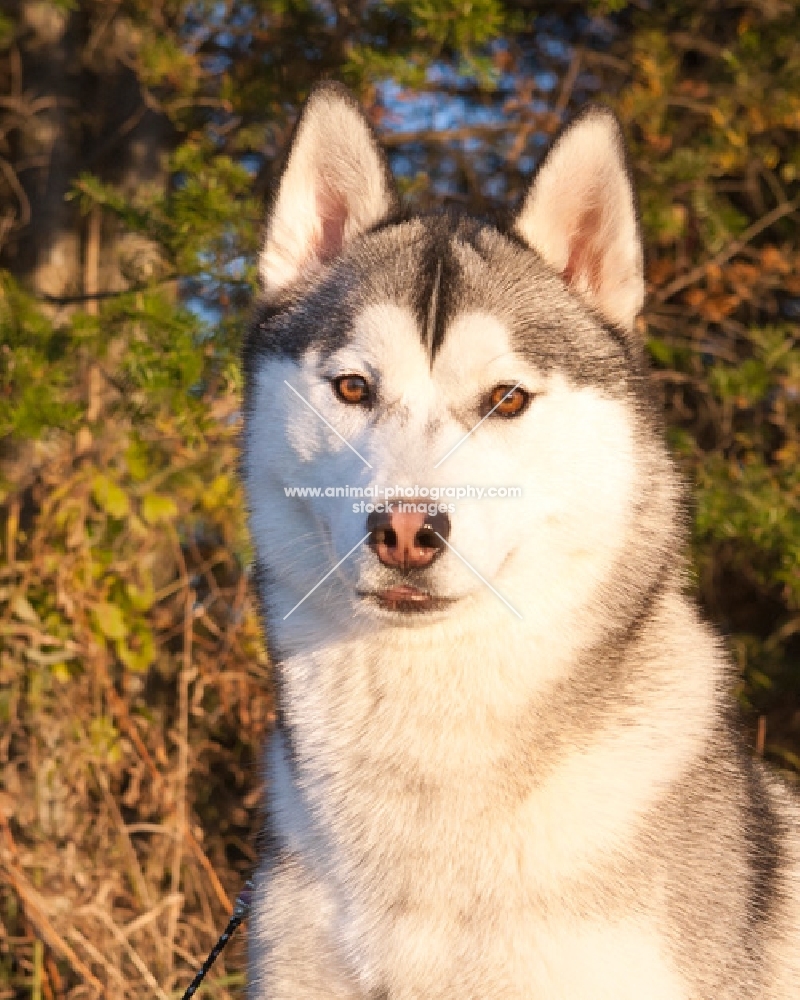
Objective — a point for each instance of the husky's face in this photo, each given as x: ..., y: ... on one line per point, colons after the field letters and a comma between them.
x: 439, y: 355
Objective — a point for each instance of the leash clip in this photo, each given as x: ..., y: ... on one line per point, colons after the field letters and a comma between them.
x: 241, y: 908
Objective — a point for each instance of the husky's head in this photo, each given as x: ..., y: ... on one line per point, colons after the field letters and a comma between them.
x: 441, y: 352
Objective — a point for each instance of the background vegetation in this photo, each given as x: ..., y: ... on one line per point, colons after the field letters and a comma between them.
x: 137, y: 140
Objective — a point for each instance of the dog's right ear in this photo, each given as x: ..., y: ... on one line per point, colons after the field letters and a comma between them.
x: 335, y: 185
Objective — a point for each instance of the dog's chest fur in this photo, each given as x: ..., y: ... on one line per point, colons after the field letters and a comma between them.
x: 436, y: 815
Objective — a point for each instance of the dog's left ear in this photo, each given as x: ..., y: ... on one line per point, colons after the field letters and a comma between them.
x: 580, y: 215
x: 335, y: 185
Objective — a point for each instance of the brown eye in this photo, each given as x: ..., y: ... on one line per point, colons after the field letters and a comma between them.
x: 352, y: 389
x: 506, y: 401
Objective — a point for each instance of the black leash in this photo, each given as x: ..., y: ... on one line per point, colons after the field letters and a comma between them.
x: 240, y: 910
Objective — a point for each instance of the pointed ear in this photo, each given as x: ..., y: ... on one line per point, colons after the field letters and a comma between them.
x: 580, y: 214
x: 336, y: 184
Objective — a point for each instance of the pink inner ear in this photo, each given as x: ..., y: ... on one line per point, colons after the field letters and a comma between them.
x: 585, y: 258
x: 332, y: 211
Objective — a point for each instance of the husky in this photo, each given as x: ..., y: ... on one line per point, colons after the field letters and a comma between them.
x: 507, y: 762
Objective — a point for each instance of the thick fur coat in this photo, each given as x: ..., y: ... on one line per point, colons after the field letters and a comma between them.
x: 512, y: 771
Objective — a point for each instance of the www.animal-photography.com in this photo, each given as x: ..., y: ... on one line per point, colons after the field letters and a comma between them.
x: 399, y: 500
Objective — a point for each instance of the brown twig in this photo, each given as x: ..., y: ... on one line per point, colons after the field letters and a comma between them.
x: 213, y: 878
x: 97, y: 956
x: 569, y: 82
x: 146, y: 918
x: 19, y: 191
x: 761, y: 735
x: 135, y: 873
x: 452, y: 134
x: 91, y: 263
x: 182, y: 775
x: 117, y: 136
x: 133, y: 954
x: 777, y: 213
x: 67, y: 300
x: 35, y: 913
x: 120, y: 712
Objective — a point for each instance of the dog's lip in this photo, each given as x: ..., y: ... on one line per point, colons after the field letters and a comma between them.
x: 405, y: 598
x: 403, y: 593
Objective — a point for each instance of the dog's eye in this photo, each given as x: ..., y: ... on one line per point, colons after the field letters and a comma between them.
x: 506, y: 401
x: 353, y: 389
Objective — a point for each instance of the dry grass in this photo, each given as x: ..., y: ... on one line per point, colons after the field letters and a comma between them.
x: 129, y: 802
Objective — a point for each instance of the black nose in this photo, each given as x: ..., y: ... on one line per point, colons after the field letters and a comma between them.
x: 407, y: 538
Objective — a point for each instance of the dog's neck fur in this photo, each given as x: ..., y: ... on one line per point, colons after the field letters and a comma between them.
x: 465, y: 738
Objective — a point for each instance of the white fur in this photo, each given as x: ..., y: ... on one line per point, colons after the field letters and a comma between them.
x: 369, y: 714
x: 334, y: 168
x: 581, y: 203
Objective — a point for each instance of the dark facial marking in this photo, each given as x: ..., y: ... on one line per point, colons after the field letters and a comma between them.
x: 764, y: 833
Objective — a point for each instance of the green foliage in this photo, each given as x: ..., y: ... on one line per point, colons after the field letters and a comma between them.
x: 6, y: 31
x: 713, y: 111
x: 35, y: 367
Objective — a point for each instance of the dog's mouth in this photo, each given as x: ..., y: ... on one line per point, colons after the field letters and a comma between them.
x: 408, y: 600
